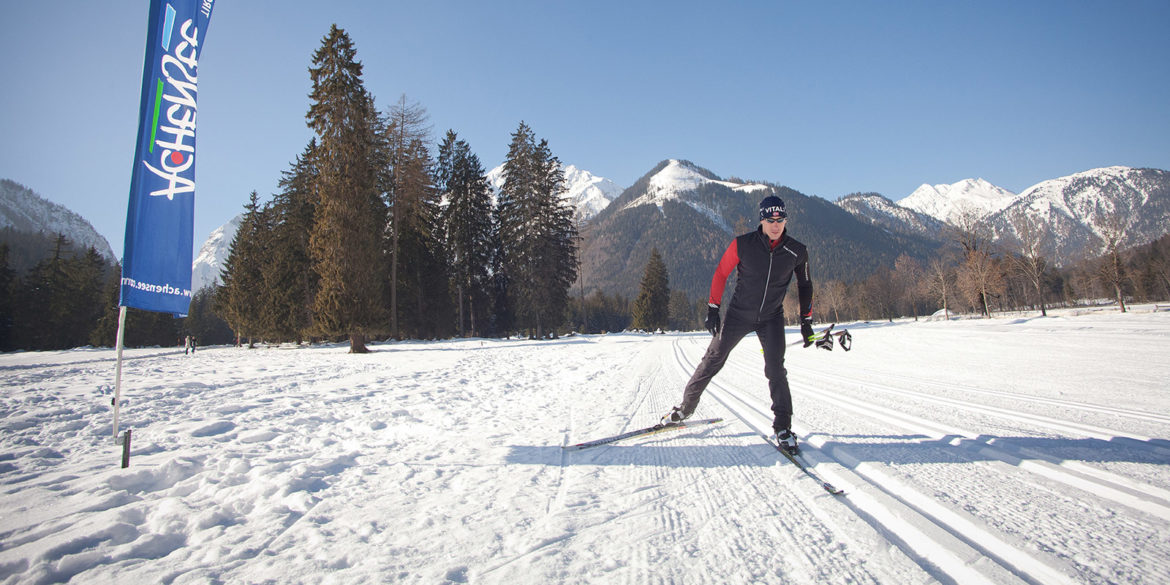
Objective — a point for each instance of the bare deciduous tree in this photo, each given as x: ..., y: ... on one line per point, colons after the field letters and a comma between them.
x: 909, y: 273
x: 1111, y: 270
x: 1032, y: 237
x: 830, y: 297
x: 979, y: 277
x: 940, y: 276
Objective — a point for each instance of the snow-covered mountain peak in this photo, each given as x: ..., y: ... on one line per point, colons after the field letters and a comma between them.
x: 679, y: 176
x: 949, y: 202
x: 207, y: 266
x: 588, y: 193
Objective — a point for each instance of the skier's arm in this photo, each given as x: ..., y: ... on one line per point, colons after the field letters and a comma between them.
x: 722, y: 271
x: 804, y: 287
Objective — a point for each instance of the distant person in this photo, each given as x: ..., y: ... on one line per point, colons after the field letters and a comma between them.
x: 765, y: 261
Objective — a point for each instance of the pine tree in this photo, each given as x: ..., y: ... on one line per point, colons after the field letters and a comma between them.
x: 467, y: 230
x: 537, y: 234
x: 345, y: 243
x: 652, y: 306
x: 425, y: 302
x: 405, y: 125
x: 683, y: 313
x: 202, y: 323
x: 7, y: 291
x: 290, y: 283
x: 240, y: 299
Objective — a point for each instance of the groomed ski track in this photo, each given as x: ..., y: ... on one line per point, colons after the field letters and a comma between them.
x: 945, y: 482
x: 1003, y: 451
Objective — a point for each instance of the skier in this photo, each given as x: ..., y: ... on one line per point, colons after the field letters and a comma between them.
x: 765, y: 261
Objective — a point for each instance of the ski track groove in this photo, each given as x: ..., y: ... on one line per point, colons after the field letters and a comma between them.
x: 959, y: 559
x: 1054, y: 424
x: 966, y: 445
x: 790, y: 499
x: 1143, y: 497
x: 969, y: 389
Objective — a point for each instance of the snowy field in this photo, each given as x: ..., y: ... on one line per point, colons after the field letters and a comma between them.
x: 1012, y: 450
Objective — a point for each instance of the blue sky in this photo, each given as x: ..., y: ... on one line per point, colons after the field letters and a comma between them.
x: 828, y: 98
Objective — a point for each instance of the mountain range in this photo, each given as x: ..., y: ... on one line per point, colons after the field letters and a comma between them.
x: 690, y: 214
x: 1075, y: 212
x: 23, y: 210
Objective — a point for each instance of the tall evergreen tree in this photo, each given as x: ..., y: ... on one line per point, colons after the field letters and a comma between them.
x: 240, y: 299
x: 345, y: 243
x: 289, y: 280
x: 425, y: 310
x: 59, y: 301
x: 7, y: 291
x: 467, y: 231
x: 537, y: 234
x: 202, y: 323
x: 404, y: 125
x: 652, y: 306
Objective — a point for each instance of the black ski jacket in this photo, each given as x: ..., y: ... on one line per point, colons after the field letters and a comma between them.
x: 763, y: 273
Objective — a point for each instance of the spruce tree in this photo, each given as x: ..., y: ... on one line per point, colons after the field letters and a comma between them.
x: 7, y: 290
x: 425, y: 307
x: 652, y: 306
x: 467, y: 231
x: 537, y: 234
x: 404, y: 125
x: 289, y: 280
x: 240, y: 299
x: 345, y: 243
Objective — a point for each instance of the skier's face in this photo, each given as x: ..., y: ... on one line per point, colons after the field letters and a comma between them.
x: 773, y: 228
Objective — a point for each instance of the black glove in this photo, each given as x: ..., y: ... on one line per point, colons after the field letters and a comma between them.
x: 712, y: 321
x: 806, y: 331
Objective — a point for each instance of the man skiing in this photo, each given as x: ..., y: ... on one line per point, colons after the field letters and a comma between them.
x: 765, y: 261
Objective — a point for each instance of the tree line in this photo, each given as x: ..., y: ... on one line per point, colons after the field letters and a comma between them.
x: 372, y: 235
x: 971, y: 275
x: 69, y: 297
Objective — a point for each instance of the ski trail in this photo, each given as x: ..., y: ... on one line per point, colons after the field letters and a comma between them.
x: 968, y: 389
x: 788, y: 504
x: 1104, y: 484
x: 949, y: 544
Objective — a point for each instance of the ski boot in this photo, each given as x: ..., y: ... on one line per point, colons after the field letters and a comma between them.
x: 786, y: 439
x: 675, y: 416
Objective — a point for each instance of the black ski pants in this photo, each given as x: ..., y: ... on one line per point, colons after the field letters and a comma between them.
x: 771, y: 335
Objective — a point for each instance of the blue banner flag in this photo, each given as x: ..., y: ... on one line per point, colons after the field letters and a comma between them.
x: 156, y: 262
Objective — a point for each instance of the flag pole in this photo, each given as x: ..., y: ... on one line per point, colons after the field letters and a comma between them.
x: 118, y: 375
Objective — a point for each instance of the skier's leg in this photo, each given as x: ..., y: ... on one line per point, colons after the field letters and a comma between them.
x: 771, y: 334
x: 712, y: 362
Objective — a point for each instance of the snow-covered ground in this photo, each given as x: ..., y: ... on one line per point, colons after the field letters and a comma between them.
x: 1010, y: 450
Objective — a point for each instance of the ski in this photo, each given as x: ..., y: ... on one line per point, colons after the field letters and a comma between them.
x: 824, y: 339
x: 658, y: 428
x: 804, y: 467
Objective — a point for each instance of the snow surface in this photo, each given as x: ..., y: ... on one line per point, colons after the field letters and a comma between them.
x: 1012, y: 450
